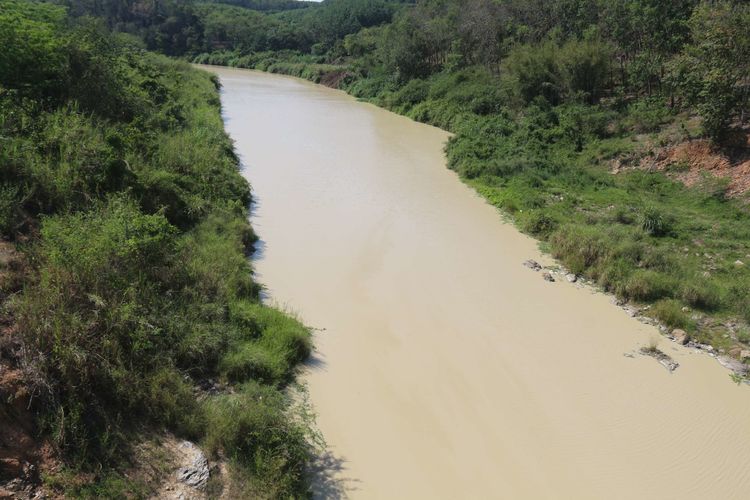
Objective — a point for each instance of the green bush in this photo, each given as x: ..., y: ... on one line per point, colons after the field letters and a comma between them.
x: 269, y: 345
x: 537, y: 223
x: 93, y: 314
x: 580, y: 249
x: 410, y: 94
x: 654, y: 222
x: 252, y: 428
x: 645, y: 286
x: 701, y: 294
x: 670, y: 313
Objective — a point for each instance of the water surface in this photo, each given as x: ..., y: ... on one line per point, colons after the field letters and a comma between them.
x: 444, y: 368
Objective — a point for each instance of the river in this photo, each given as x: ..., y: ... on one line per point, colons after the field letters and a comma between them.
x: 443, y: 367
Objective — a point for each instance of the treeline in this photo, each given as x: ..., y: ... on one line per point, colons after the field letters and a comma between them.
x: 546, y: 101
x: 187, y: 28
x: 122, y: 195
x: 692, y: 53
x: 686, y: 50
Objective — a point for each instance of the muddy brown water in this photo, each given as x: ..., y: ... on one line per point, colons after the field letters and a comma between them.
x: 444, y: 368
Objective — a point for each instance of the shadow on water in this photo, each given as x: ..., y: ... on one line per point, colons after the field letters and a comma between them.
x: 315, y: 361
x: 259, y: 250
x: 328, y: 477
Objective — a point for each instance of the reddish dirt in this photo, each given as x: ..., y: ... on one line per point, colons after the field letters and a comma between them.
x: 334, y: 79
x: 690, y: 162
x: 23, y: 455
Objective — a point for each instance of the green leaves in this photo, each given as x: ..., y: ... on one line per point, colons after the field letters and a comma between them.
x: 712, y: 73
x: 32, y: 59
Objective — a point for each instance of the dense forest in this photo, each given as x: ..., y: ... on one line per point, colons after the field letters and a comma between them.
x: 614, y: 132
x: 124, y: 277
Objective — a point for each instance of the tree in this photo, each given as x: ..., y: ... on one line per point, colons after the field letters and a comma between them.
x: 713, y: 74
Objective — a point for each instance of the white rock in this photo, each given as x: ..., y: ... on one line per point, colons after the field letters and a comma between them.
x: 196, y: 473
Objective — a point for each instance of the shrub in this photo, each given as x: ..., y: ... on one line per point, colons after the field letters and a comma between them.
x: 268, y: 344
x: 654, y: 222
x: 94, y: 317
x: 410, y: 94
x: 701, y: 295
x: 538, y: 223
x: 645, y: 286
x: 579, y: 248
x: 252, y: 428
x: 8, y: 206
x: 670, y: 313
x: 647, y: 115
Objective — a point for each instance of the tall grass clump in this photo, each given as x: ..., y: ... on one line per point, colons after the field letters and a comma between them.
x: 670, y: 313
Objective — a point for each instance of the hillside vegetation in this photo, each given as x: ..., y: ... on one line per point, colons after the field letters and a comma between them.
x: 566, y: 115
x: 128, y: 285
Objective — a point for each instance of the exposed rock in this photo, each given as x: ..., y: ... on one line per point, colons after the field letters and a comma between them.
x: 571, y: 277
x: 533, y: 265
x: 686, y: 309
x: 732, y: 364
x: 744, y: 354
x: 680, y: 336
x: 661, y: 357
x: 548, y: 277
x: 739, y: 263
x: 196, y: 473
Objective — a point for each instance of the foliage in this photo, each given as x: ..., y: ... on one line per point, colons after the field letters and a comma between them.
x: 712, y: 73
x: 251, y: 427
x: 541, y: 97
x: 117, y: 175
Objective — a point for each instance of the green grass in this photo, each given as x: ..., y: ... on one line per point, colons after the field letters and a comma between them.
x: 253, y: 429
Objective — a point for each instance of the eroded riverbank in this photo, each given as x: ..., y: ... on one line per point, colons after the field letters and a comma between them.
x: 445, y: 368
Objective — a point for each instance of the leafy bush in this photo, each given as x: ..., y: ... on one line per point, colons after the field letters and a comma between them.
x: 538, y: 223
x: 270, y: 345
x: 410, y: 94
x: 252, y: 428
x: 93, y: 314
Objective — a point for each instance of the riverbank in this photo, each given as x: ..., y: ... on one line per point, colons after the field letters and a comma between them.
x: 678, y: 254
x: 444, y: 367
x: 128, y: 309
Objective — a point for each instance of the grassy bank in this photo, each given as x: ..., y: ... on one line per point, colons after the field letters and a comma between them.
x: 121, y: 193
